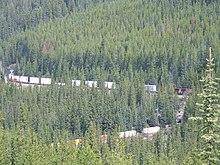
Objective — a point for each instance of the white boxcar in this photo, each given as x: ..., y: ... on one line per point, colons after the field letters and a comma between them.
x: 150, y: 88
x: 23, y: 79
x: 121, y: 134
x: 91, y: 83
x: 109, y: 85
x: 127, y: 134
x: 34, y: 80
x: 15, y: 78
x: 130, y: 133
x: 45, y: 81
x: 76, y: 83
x: 150, y: 131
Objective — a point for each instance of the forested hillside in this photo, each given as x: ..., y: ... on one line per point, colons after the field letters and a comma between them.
x: 20, y: 15
x: 121, y: 37
x: 129, y: 42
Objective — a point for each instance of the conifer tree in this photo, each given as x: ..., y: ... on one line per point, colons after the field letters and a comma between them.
x: 4, y: 158
x: 209, y: 148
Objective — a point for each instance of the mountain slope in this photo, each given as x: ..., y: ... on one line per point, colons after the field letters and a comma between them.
x: 166, y: 40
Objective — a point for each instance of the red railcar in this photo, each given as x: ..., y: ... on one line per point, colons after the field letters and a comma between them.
x: 181, y: 91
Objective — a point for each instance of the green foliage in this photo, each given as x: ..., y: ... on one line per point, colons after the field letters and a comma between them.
x: 20, y: 15
x: 209, y: 116
x: 144, y: 38
x: 132, y: 43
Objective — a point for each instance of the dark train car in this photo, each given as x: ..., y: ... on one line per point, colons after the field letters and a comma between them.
x: 181, y: 91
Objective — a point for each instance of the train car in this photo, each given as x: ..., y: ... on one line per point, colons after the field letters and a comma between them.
x: 181, y: 91
x: 109, y: 85
x: 127, y: 134
x: 15, y: 78
x: 103, y: 138
x: 91, y: 83
x: 151, y: 131
x: 23, y: 79
x: 45, y: 81
x: 34, y: 80
x: 76, y: 83
x: 150, y: 88
x: 131, y: 133
x: 78, y: 142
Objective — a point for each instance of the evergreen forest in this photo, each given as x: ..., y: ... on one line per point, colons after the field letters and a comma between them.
x: 168, y: 43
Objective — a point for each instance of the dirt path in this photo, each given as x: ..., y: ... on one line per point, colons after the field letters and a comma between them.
x: 181, y: 107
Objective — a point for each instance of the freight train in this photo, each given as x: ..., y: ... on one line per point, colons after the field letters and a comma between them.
x: 30, y: 81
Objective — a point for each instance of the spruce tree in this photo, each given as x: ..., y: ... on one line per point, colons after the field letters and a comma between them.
x: 209, y: 139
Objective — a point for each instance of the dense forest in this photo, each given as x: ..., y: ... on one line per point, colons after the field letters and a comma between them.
x: 168, y: 43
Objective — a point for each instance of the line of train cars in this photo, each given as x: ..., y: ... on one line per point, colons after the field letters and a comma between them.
x: 146, y: 134
x: 31, y: 81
